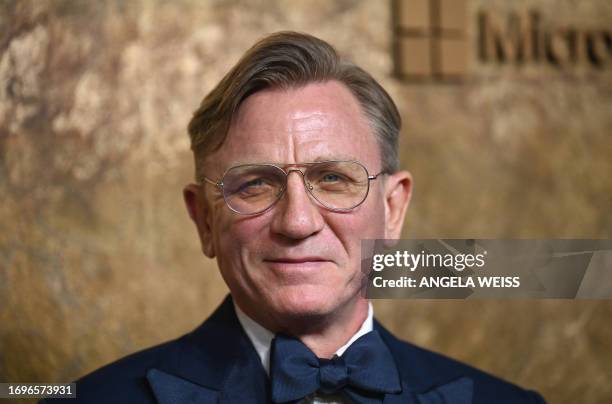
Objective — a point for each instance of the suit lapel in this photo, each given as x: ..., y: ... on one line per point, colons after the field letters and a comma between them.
x: 170, y: 389
x: 421, y: 382
x: 458, y: 391
x: 214, y: 363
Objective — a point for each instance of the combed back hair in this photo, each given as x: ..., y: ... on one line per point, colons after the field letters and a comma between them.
x: 291, y: 60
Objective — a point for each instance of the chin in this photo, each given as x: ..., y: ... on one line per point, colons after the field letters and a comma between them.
x: 306, y: 301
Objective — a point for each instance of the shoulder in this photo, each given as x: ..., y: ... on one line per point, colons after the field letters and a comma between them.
x: 427, y: 370
x: 124, y: 381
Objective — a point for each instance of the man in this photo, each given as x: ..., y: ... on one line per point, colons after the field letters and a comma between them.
x: 296, y: 162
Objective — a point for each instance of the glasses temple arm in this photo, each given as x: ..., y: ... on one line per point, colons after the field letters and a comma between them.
x: 206, y: 179
x: 373, y: 177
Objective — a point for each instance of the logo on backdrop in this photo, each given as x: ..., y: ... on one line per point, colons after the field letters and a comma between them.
x: 436, y: 40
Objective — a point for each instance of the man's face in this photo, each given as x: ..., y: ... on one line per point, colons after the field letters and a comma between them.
x: 296, y: 259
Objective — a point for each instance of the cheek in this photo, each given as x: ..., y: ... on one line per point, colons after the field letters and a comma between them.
x: 369, y: 222
x: 366, y: 222
x: 236, y: 236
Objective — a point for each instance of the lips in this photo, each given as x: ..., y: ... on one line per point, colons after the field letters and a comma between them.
x: 297, y: 270
x: 301, y: 260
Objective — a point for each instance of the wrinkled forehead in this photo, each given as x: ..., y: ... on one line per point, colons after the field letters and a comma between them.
x: 320, y: 121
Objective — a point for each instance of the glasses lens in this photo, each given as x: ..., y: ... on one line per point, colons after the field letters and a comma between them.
x: 338, y: 185
x: 250, y: 189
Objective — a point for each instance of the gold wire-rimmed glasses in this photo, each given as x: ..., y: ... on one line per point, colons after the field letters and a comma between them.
x: 252, y: 189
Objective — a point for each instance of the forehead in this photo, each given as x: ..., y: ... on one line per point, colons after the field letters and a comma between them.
x: 319, y: 121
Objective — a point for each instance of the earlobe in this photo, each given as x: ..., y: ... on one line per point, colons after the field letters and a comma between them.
x: 198, y: 210
x: 398, y: 190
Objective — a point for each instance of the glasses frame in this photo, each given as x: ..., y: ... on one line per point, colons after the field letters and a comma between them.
x: 288, y: 169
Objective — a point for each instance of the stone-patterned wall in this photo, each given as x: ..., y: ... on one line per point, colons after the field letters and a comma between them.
x: 98, y: 257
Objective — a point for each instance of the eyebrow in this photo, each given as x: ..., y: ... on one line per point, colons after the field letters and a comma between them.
x: 326, y: 157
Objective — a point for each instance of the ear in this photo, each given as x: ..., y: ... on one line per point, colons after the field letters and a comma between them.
x: 398, y: 190
x: 199, y: 212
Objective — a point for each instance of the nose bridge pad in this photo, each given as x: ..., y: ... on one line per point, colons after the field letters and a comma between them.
x: 307, y: 184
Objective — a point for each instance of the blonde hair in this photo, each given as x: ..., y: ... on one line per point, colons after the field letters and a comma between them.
x: 286, y: 60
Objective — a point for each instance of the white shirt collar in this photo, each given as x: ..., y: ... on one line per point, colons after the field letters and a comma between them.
x: 261, y: 338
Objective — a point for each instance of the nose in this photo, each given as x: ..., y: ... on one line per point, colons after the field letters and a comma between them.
x: 296, y: 215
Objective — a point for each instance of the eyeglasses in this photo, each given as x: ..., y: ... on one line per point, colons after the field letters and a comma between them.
x: 251, y: 189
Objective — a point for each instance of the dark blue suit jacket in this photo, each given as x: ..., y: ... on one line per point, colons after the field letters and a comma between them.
x: 217, y: 363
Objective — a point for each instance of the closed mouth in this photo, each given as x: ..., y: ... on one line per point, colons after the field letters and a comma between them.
x: 300, y: 260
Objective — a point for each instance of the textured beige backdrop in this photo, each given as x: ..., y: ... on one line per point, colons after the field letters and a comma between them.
x: 98, y: 257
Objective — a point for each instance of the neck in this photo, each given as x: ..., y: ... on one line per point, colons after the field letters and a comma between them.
x: 322, y: 334
x: 324, y: 342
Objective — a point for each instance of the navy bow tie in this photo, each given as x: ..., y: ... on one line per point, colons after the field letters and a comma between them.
x: 364, y: 373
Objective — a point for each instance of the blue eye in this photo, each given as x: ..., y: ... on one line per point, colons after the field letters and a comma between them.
x: 253, y: 183
x: 253, y: 186
x: 331, y: 177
